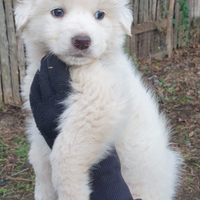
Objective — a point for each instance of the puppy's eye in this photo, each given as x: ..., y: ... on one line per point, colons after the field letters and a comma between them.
x: 99, y: 15
x: 57, y: 12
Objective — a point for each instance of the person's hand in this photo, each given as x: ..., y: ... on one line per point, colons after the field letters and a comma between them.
x: 51, y: 85
x: 107, y: 180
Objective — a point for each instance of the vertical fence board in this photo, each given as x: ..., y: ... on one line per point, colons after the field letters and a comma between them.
x: 145, y: 44
x: 132, y: 45
x: 177, y: 13
x: 145, y: 35
x: 154, y: 9
x: 20, y: 54
x: 191, y: 5
x: 136, y: 21
x: 140, y: 38
x: 156, y: 41
x: 152, y: 42
x: 169, y: 39
x: 198, y: 21
x: 135, y: 12
x: 150, y: 10
x: 128, y: 43
x: 195, y: 8
x: 168, y: 2
x: 180, y: 32
x: 196, y: 16
x: 149, y: 37
x: 166, y: 7
x: 137, y: 45
x: 146, y: 10
x: 150, y: 32
x: 1, y: 92
x: 141, y: 11
x: 21, y: 59
x: 163, y: 9
x: 194, y: 22
x: 191, y: 10
x: 158, y: 16
x: 148, y: 43
x: 199, y: 9
x: 12, y: 51
x: 5, y: 65
x: 132, y: 38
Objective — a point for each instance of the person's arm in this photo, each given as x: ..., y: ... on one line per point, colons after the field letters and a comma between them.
x: 107, y: 180
x: 51, y: 86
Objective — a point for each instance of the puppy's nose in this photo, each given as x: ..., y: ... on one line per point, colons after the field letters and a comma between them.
x: 81, y: 42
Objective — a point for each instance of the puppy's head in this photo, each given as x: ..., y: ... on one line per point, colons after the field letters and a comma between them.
x: 77, y: 31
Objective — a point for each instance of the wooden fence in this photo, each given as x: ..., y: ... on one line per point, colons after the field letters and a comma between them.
x: 153, y: 34
x: 12, y: 60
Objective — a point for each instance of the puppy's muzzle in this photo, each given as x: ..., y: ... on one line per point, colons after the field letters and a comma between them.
x: 81, y: 42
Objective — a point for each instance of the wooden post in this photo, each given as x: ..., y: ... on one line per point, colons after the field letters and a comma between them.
x: 196, y: 9
x: 141, y: 12
x: 135, y: 12
x: 154, y: 10
x: 146, y: 11
x: 1, y: 92
x: 21, y: 59
x: 191, y: 9
x: 150, y: 10
x: 159, y: 10
x: 145, y: 35
x: 170, y: 27
x: 20, y: 54
x: 177, y: 16
x: 132, y: 38
x: 135, y: 22
x: 4, y: 63
x: 12, y: 51
x: 166, y: 9
x: 198, y: 23
x: 196, y: 16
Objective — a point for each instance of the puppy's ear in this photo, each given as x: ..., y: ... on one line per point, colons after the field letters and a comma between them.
x: 126, y: 19
x: 22, y: 12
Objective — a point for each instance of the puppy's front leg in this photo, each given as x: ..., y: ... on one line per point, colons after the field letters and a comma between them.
x: 39, y: 157
x: 87, y: 130
x: 70, y: 164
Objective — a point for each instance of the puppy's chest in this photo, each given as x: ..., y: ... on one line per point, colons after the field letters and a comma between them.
x: 92, y: 79
x: 98, y: 89
x: 97, y: 95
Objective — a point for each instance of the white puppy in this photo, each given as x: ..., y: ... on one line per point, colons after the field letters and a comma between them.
x: 109, y: 104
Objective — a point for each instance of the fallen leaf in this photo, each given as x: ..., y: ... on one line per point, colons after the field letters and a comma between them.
x: 191, y: 134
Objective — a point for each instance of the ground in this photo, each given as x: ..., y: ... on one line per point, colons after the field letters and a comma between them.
x: 175, y: 80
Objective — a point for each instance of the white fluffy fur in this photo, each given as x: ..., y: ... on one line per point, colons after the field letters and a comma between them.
x: 109, y: 104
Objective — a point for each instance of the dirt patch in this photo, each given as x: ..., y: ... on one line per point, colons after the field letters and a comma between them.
x: 176, y: 82
x: 16, y: 174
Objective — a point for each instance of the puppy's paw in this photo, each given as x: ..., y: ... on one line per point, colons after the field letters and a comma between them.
x: 45, y: 196
x: 73, y: 197
x: 45, y: 192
